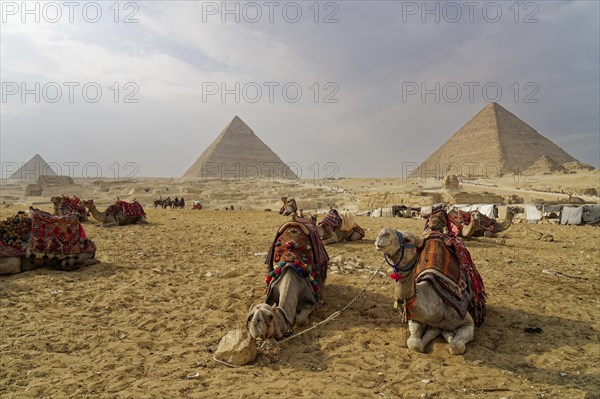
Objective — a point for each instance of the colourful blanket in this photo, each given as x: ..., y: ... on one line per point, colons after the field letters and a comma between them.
x: 473, y: 278
x: 442, y: 269
x: 487, y: 224
x: 15, y: 230
x: 130, y: 209
x: 72, y: 205
x: 7, y: 251
x: 54, y: 235
x: 305, y: 253
x: 331, y: 221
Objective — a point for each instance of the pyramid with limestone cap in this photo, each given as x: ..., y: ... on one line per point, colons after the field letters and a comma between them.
x: 33, y: 169
x: 238, y: 153
x: 494, y: 142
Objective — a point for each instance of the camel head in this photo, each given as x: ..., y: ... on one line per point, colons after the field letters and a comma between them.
x: 261, y: 321
x: 289, y: 206
x: 56, y: 200
x: 388, y: 242
x: 89, y: 204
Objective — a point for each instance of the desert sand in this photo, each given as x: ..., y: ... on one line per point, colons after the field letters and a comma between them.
x: 145, y: 322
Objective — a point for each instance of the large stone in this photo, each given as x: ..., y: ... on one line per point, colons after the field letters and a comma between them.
x: 237, y: 347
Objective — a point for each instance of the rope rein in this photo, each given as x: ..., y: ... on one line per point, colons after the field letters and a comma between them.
x: 315, y: 325
x: 336, y: 313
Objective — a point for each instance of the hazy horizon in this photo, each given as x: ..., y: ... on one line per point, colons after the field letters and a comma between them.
x: 350, y: 88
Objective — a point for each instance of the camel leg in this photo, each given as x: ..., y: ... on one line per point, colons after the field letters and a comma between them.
x: 420, y: 335
x: 332, y: 239
x: 302, y: 316
x: 355, y: 236
x: 457, y: 340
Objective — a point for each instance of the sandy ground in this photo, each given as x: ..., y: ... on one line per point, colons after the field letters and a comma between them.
x: 146, y: 320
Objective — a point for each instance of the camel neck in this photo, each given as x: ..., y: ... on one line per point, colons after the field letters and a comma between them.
x: 405, y: 288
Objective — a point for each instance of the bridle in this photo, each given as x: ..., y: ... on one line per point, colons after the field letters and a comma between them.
x: 409, y: 266
x: 400, y: 273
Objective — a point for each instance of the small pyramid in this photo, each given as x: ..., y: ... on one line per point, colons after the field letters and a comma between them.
x: 237, y: 153
x: 33, y: 169
x: 544, y: 164
x: 492, y: 143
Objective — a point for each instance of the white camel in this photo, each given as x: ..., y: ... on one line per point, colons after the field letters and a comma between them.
x: 428, y: 315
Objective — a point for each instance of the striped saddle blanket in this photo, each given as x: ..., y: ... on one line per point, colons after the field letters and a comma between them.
x: 438, y: 265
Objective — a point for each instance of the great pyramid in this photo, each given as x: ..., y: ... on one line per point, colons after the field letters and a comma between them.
x: 237, y: 153
x: 492, y: 143
x: 33, y: 169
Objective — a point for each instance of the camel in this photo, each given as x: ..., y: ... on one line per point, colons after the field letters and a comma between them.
x: 289, y: 206
x: 481, y: 225
x: 21, y: 254
x: 115, y: 214
x: 296, y: 274
x: 332, y: 228
x: 427, y: 313
x: 66, y: 205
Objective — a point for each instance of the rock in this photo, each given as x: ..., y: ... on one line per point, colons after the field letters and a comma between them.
x: 209, y: 274
x: 237, y: 347
x: 508, y: 261
x: 547, y: 237
x: 337, y: 259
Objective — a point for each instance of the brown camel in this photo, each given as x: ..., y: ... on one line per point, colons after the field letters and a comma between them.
x: 289, y: 206
x: 335, y: 228
x: 115, y: 214
x: 481, y: 225
x: 45, y: 243
x: 64, y: 205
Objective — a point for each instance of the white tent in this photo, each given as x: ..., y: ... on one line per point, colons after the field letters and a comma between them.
x: 533, y: 214
x: 571, y: 215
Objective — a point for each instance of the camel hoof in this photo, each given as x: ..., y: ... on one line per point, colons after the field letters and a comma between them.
x: 456, y: 348
x: 415, y: 344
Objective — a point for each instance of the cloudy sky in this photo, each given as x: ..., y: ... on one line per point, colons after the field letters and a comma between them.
x: 347, y: 88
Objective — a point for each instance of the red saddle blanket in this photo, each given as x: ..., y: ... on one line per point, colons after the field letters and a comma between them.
x: 7, y: 251
x: 72, y: 205
x: 54, y: 235
x: 130, y: 209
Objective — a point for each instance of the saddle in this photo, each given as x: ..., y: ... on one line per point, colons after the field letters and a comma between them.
x: 440, y: 266
x: 297, y: 246
x: 447, y: 256
x: 57, y: 236
x: 130, y: 209
x: 331, y: 221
